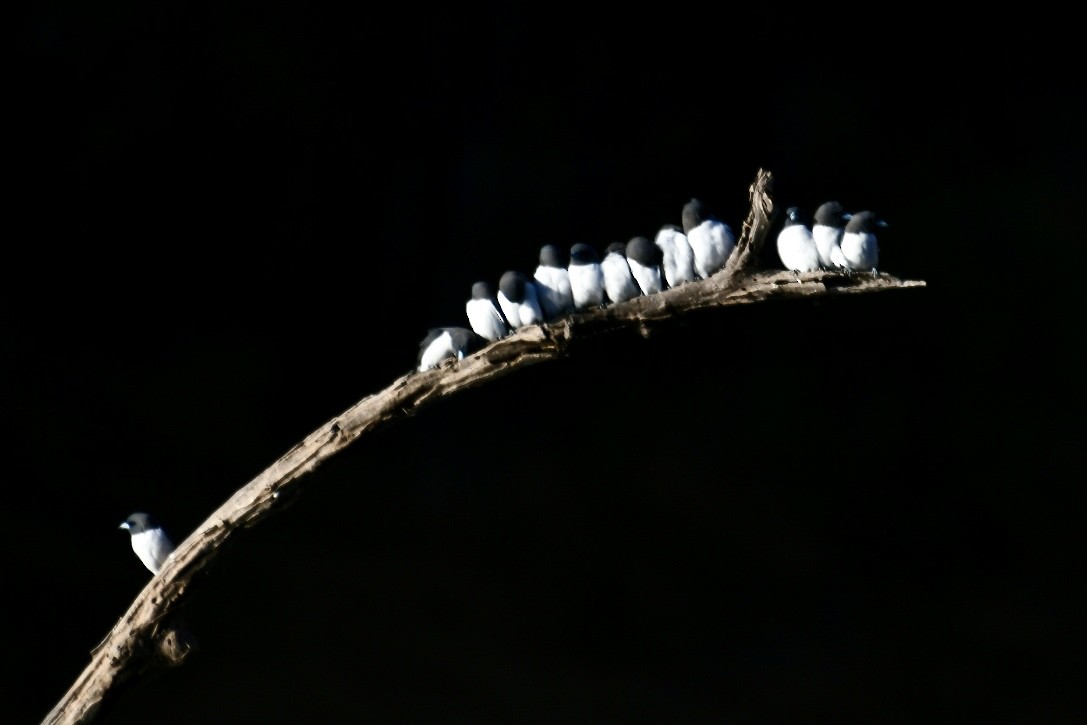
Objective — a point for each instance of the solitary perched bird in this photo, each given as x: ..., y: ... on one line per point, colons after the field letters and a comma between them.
x: 518, y: 299
x: 483, y: 314
x: 442, y: 343
x: 711, y: 240
x: 827, y: 229
x: 586, y: 276
x: 644, y: 258
x: 553, y: 283
x: 860, y: 249
x: 677, y: 259
x: 149, y: 541
x: 795, y: 243
x: 619, y: 283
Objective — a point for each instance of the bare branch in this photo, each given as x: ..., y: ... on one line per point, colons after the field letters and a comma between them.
x: 150, y: 635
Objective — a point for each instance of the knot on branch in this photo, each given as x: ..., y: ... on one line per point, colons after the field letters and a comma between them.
x: 175, y: 645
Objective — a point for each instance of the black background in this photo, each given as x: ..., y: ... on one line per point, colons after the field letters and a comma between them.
x: 232, y: 223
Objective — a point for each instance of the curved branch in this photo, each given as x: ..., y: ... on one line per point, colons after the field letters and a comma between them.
x: 149, y: 635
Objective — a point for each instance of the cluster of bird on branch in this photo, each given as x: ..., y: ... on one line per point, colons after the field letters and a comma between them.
x: 582, y: 280
x: 678, y: 255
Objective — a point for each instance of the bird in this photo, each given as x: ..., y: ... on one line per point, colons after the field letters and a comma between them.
x: 827, y: 228
x: 553, y: 283
x: 795, y: 243
x: 586, y: 276
x: 443, y: 343
x: 518, y: 299
x: 619, y: 283
x: 644, y: 258
x: 711, y: 240
x: 149, y: 541
x: 483, y: 314
x: 677, y: 258
x: 860, y: 249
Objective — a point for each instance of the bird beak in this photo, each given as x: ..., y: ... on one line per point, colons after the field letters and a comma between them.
x: 123, y: 526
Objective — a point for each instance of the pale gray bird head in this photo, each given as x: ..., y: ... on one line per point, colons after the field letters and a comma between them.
x: 149, y: 541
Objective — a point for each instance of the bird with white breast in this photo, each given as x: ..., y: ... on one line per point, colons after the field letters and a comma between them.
x: 149, y: 540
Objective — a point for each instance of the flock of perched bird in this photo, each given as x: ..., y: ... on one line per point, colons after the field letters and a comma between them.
x: 835, y: 240
x: 678, y: 255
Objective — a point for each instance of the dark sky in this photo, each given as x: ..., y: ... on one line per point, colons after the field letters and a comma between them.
x: 231, y: 224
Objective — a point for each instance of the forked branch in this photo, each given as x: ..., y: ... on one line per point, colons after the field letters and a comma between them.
x: 149, y: 634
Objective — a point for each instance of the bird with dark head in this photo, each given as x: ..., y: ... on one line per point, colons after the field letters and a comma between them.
x: 149, y: 541
x: 586, y: 276
x: 553, y: 283
x: 483, y: 314
x: 444, y: 343
x: 795, y: 244
x: 827, y: 229
x: 619, y: 282
x: 860, y: 248
x: 711, y: 240
x: 677, y: 259
x: 644, y: 258
x: 519, y: 299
